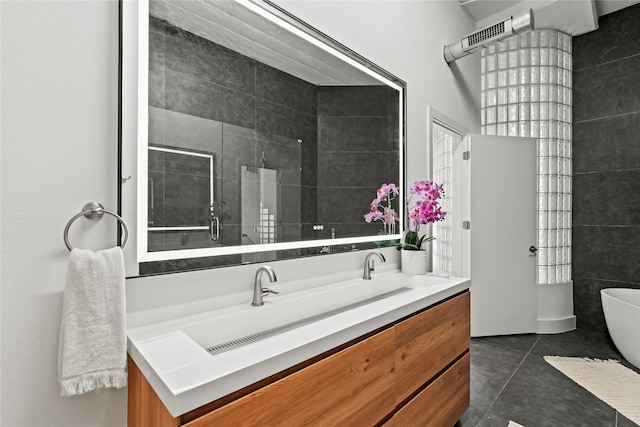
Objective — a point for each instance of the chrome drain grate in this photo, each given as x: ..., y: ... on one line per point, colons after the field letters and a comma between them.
x: 240, y: 342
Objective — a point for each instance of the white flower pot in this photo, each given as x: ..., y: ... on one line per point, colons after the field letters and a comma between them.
x: 414, y: 262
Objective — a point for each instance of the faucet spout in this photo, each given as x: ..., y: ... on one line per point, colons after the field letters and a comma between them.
x: 369, y: 264
x: 258, y: 290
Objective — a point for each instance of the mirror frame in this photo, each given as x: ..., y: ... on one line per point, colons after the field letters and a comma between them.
x: 133, y: 86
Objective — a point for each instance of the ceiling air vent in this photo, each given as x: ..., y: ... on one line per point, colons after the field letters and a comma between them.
x: 517, y: 24
x: 483, y: 35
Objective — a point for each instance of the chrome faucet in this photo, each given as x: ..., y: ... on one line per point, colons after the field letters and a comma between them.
x: 369, y: 264
x: 258, y: 290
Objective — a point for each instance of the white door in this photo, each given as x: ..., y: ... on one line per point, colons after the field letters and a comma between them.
x: 501, y: 179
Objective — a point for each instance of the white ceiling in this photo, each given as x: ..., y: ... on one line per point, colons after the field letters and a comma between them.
x: 238, y: 28
x: 263, y: 37
x: 573, y: 17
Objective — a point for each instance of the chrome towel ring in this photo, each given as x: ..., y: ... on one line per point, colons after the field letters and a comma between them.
x: 94, y: 211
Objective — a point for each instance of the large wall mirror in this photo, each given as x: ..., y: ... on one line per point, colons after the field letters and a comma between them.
x: 248, y: 136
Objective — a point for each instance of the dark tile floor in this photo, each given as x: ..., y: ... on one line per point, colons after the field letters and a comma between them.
x: 511, y: 381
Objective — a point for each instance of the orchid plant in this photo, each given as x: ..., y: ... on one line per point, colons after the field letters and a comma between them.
x: 381, y: 210
x: 426, y: 210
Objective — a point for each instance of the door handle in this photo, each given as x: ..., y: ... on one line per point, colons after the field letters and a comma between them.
x: 215, y: 234
x: 533, y: 249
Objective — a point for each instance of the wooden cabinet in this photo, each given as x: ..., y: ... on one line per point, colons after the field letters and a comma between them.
x: 427, y: 342
x: 354, y: 386
x: 414, y: 372
x: 144, y: 407
x: 441, y: 403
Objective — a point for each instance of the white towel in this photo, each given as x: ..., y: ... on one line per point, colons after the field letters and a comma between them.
x: 93, y: 346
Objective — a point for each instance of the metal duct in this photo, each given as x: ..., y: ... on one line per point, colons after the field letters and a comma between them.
x: 517, y: 24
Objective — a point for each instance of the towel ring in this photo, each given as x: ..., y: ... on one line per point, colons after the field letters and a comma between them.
x: 94, y: 211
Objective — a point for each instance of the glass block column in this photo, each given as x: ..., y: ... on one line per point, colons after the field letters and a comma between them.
x: 526, y: 91
x: 445, y: 142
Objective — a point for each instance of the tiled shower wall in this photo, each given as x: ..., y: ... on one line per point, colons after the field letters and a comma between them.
x: 199, y: 78
x: 355, y: 127
x: 606, y: 162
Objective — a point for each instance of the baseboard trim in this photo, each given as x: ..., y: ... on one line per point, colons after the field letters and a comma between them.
x: 556, y: 326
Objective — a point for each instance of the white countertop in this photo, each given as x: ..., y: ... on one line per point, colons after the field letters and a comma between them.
x: 172, y: 356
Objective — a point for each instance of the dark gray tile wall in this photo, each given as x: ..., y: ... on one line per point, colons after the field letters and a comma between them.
x: 181, y: 189
x: 606, y: 162
x: 265, y: 112
x: 355, y: 125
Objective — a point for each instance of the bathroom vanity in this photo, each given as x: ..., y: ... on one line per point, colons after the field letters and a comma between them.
x: 391, y: 349
x: 400, y: 360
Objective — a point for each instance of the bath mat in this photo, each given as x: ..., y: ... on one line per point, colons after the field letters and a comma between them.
x: 608, y: 380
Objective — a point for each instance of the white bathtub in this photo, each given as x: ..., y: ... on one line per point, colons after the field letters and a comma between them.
x: 622, y: 313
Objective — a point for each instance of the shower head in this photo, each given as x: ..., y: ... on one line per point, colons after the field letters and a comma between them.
x: 517, y: 24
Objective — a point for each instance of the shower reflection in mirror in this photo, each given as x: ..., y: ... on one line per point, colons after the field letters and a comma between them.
x: 289, y: 133
x: 255, y: 204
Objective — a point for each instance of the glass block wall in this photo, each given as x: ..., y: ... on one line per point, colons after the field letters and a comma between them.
x: 526, y: 91
x: 445, y: 142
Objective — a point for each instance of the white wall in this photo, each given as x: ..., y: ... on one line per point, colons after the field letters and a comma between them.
x: 59, y: 106
x: 59, y: 151
x: 406, y: 39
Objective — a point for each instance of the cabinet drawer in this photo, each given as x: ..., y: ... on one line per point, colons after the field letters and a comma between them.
x: 428, y: 342
x: 442, y: 403
x: 352, y: 387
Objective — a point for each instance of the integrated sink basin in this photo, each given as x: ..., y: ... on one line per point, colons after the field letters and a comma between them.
x: 237, y: 326
x: 239, y: 342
